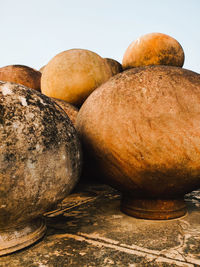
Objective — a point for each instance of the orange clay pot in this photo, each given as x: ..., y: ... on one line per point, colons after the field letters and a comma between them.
x: 73, y: 74
x: 153, y: 49
x: 20, y: 74
x: 142, y: 129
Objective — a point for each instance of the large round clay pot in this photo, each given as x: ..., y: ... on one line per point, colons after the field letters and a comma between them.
x: 142, y: 127
x: 21, y: 74
x: 73, y: 74
x: 153, y: 49
x: 40, y: 160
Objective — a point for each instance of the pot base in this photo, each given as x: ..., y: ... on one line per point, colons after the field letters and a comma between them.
x: 20, y: 237
x: 153, y: 209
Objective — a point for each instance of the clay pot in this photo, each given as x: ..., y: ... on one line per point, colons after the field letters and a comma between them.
x: 40, y: 160
x: 73, y: 74
x: 20, y: 74
x: 142, y: 128
x: 115, y: 66
x: 153, y: 49
x: 69, y: 109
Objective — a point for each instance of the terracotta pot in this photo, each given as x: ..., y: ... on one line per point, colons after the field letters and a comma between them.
x: 115, y: 66
x: 142, y: 127
x: 153, y: 49
x: 69, y: 109
x: 40, y: 162
x: 20, y: 74
x: 73, y: 74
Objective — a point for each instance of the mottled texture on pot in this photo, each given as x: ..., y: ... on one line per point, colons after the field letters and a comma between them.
x: 21, y: 74
x: 40, y: 155
x: 142, y: 126
x: 153, y: 49
x: 70, y: 110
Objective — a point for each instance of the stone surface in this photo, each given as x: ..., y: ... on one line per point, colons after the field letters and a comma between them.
x: 87, y: 229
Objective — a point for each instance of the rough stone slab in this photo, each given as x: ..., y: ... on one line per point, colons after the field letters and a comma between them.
x: 88, y: 229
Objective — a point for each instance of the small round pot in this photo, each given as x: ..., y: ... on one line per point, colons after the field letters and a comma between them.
x: 142, y: 128
x: 21, y: 74
x: 115, y: 66
x: 40, y: 161
x: 153, y: 49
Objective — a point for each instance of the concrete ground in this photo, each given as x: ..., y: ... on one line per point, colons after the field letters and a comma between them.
x: 88, y: 229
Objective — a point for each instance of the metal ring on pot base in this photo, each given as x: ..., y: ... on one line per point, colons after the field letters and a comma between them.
x: 153, y: 209
x: 13, y: 239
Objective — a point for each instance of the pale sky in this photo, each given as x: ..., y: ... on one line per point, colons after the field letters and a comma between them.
x: 34, y: 31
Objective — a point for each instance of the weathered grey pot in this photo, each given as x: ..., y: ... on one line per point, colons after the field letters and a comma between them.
x: 40, y: 161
